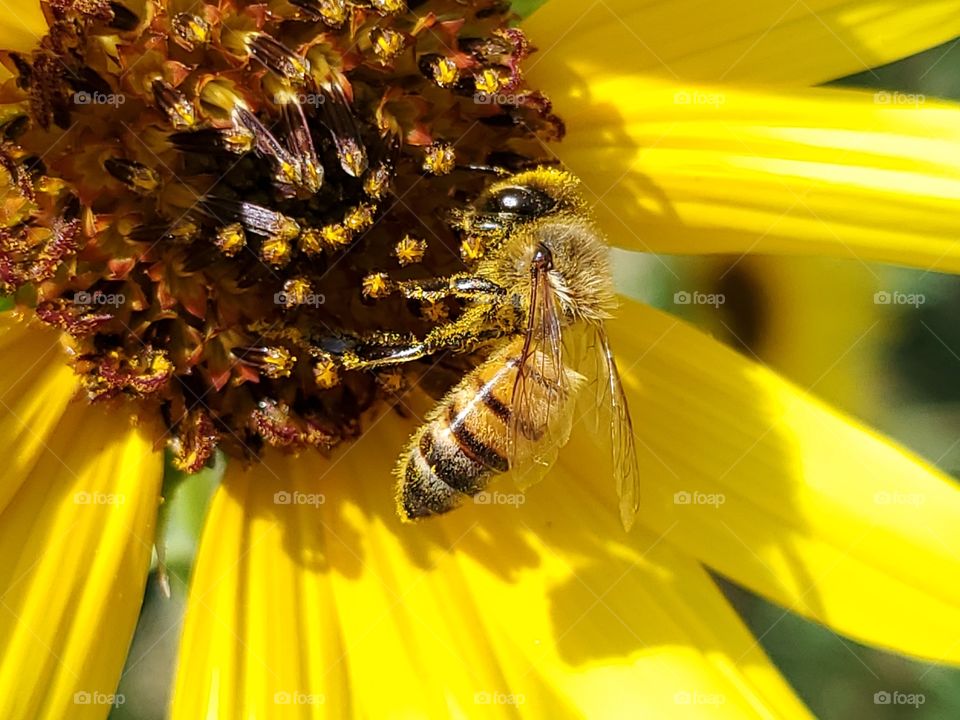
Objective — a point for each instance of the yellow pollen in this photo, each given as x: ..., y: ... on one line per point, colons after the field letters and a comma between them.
x: 440, y: 159
x: 376, y: 285
x: 296, y: 291
x: 277, y: 362
x: 376, y: 182
x: 333, y: 236
x: 287, y: 229
x: 410, y: 250
x: 190, y: 31
x: 359, y: 218
x: 276, y: 250
x: 471, y: 249
x: 445, y: 72
x: 231, y: 239
x: 388, y: 6
x: 352, y: 158
x: 387, y: 43
x: 289, y: 172
x: 325, y: 373
x: 239, y: 139
x: 333, y: 12
x: 310, y: 242
x: 488, y: 81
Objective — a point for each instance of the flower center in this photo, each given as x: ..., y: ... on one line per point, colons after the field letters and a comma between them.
x: 214, y: 200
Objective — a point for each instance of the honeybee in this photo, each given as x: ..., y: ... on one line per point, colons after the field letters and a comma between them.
x: 540, y: 294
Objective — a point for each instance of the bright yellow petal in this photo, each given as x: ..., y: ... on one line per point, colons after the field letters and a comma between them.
x: 785, y: 496
x: 700, y: 170
x: 791, y: 323
x: 775, y: 41
x: 329, y: 607
x: 77, y: 503
x: 23, y: 25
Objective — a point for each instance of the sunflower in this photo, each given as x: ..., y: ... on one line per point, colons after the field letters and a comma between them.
x: 164, y: 218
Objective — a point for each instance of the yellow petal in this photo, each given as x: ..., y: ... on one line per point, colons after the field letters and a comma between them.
x: 77, y: 503
x: 306, y: 606
x: 775, y: 41
x: 780, y: 308
x: 705, y: 170
x: 787, y: 497
x: 23, y: 26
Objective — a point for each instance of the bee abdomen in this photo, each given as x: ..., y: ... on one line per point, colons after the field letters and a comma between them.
x: 447, y: 462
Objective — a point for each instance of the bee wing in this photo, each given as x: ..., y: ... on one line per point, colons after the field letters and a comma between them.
x: 614, y: 428
x: 542, y: 406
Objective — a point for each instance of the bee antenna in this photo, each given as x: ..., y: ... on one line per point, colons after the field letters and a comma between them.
x: 491, y: 169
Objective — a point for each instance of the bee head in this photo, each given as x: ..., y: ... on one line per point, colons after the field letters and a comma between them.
x: 519, y: 199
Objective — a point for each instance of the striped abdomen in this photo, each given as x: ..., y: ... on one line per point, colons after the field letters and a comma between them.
x: 464, y: 441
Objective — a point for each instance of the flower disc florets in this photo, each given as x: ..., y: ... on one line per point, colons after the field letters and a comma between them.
x: 208, y: 197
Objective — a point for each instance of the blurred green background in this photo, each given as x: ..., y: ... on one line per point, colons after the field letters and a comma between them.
x: 895, y: 367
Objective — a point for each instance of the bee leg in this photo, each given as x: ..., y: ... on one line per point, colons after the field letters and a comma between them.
x: 464, y: 334
x: 462, y: 285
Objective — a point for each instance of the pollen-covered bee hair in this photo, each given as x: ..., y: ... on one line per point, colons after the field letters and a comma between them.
x: 540, y: 291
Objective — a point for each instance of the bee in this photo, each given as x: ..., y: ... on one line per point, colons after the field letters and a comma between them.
x: 539, y: 296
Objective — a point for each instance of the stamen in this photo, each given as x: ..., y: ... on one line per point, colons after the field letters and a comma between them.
x: 442, y: 70
x: 326, y: 374
x: 277, y: 56
x: 339, y: 120
x: 359, y: 218
x: 331, y: 12
x: 377, y: 285
x: 288, y: 170
x: 377, y: 181
x: 190, y: 31
x: 300, y: 142
x: 194, y: 441
x: 410, y: 250
x: 440, y: 159
x: 387, y: 43
x: 272, y: 362
x: 388, y: 7
x: 231, y: 239
x: 276, y: 250
x: 178, y: 108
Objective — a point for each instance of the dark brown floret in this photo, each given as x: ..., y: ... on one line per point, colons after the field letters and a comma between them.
x: 223, y: 186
